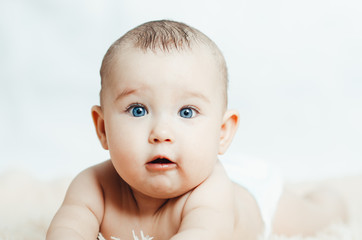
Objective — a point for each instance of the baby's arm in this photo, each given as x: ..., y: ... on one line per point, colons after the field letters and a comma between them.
x: 209, y: 210
x: 81, y: 212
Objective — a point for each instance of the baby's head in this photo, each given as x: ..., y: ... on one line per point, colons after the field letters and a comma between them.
x: 163, y: 36
x: 163, y: 113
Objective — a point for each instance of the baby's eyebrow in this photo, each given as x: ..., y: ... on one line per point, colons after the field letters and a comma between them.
x: 197, y: 95
x: 125, y: 93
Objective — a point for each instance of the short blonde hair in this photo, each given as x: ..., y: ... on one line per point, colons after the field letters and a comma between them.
x: 163, y: 35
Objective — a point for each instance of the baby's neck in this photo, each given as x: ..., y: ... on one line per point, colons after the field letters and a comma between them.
x: 146, y: 205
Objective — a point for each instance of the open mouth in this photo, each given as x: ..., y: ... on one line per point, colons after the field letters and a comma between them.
x: 161, y: 161
x: 161, y: 164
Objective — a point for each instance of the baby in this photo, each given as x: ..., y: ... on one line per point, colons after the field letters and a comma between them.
x: 163, y: 117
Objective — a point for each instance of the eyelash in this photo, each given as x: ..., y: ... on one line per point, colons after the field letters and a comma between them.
x: 191, y: 107
x: 133, y: 105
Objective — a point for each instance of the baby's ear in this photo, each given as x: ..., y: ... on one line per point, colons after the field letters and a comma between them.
x: 98, y: 120
x: 228, y: 129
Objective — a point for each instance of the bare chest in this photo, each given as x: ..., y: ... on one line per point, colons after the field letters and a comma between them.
x: 123, y: 221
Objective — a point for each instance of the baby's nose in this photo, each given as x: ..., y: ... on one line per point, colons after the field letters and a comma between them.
x: 158, y: 140
x: 161, y: 133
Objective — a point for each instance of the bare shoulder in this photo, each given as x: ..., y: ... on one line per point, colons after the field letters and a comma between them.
x: 223, y: 207
x: 216, y: 189
x: 91, y: 178
x: 97, y: 176
x: 83, y: 208
x: 102, y: 173
x: 87, y: 188
x: 210, y: 207
x: 240, y: 207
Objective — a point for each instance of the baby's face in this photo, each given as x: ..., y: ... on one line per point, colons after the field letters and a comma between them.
x: 163, y: 114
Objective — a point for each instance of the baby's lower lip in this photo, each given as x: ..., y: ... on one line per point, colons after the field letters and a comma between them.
x: 160, y: 166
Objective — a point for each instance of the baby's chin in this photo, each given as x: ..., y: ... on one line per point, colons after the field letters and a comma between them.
x: 166, y: 186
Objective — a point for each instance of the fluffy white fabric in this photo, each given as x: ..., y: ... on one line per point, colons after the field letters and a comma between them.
x: 135, y: 237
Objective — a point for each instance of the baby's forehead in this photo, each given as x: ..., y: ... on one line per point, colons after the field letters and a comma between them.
x: 201, y: 56
x: 128, y: 54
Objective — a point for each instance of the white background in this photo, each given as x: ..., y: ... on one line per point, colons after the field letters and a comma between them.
x: 295, y: 70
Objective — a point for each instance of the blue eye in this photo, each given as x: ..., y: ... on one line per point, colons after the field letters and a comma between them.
x: 138, y: 111
x: 187, y: 112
